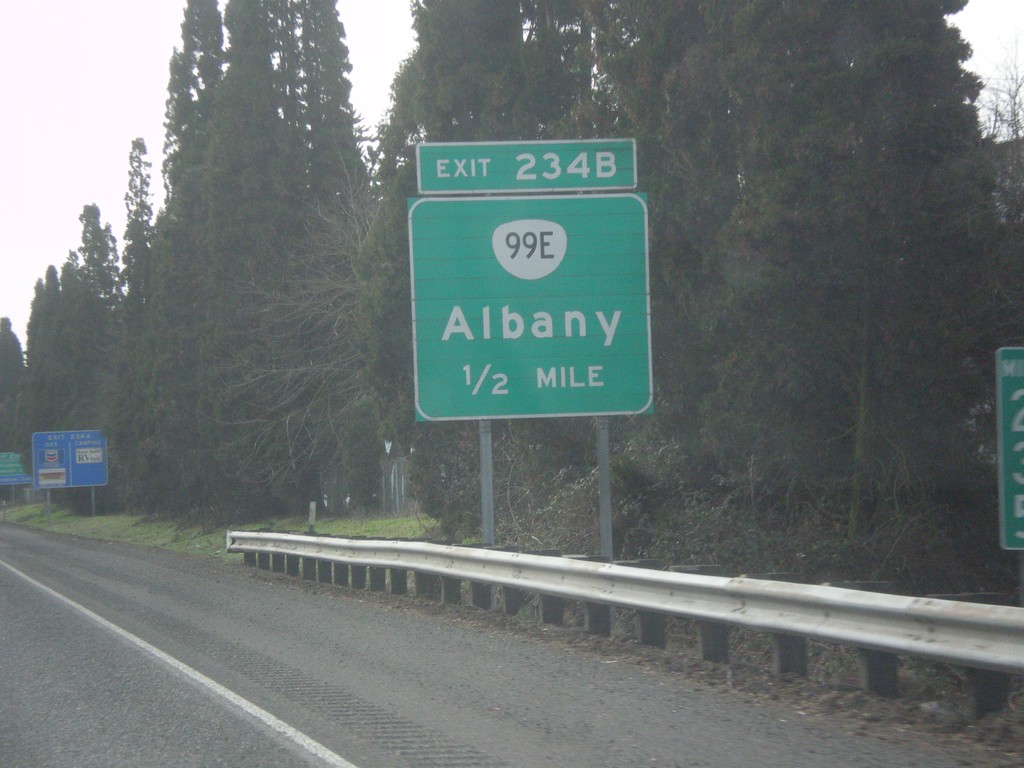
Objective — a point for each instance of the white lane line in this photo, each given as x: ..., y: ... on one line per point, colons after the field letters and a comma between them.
x: 299, y: 738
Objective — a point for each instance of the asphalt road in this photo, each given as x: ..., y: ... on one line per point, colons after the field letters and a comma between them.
x: 113, y: 655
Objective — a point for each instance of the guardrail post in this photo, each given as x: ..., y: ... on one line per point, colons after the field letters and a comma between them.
x: 483, y: 595
x: 713, y: 641
x: 293, y: 564
x: 712, y: 638
x: 650, y: 626
x: 399, y: 581
x: 878, y: 669
x: 789, y: 654
x: 427, y: 584
x: 341, y: 574
x: 878, y: 672
x: 309, y: 568
x: 249, y: 558
x: 987, y: 692
x: 552, y: 610
x: 451, y: 590
x: 513, y: 599
x: 378, y: 579
x: 263, y: 561
x: 357, y: 576
x: 597, y: 617
x: 323, y: 571
x: 277, y: 562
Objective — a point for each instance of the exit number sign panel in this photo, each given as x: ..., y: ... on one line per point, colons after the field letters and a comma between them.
x: 526, y: 166
x: 530, y: 306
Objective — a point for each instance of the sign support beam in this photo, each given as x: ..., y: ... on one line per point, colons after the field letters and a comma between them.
x: 487, y: 482
x: 604, y: 483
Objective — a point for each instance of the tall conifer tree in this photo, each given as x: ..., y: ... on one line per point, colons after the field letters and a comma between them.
x: 850, y: 298
x: 12, y: 370
x: 42, y: 392
x: 136, y: 274
x: 333, y: 158
x: 195, y: 70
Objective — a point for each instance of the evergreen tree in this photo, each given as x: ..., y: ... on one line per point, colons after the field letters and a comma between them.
x: 251, y: 206
x: 333, y: 161
x: 293, y: 369
x: 514, y: 71
x: 12, y: 370
x: 171, y: 433
x: 256, y: 134
x: 662, y: 80
x: 138, y: 235
x: 43, y: 402
x: 96, y: 260
x: 128, y: 403
x: 71, y: 333
x: 849, y: 297
x: 195, y: 70
x: 89, y: 295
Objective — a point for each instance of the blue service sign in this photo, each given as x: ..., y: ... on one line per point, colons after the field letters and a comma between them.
x: 69, y: 459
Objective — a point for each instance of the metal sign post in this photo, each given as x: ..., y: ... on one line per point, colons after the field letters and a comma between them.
x: 486, y: 482
x: 604, y: 488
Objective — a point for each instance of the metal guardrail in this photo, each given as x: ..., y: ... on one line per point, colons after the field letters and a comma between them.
x: 984, y: 637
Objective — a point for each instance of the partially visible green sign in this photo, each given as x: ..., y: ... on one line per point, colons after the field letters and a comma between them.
x: 12, y: 471
x: 526, y: 166
x: 530, y: 306
x: 10, y: 464
x: 1010, y: 420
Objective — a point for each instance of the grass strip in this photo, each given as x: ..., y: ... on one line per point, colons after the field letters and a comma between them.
x: 152, y: 531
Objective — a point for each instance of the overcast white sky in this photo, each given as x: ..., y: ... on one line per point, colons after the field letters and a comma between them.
x: 82, y: 79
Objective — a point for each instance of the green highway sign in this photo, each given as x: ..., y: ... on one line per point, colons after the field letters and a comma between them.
x: 526, y: 166
x: 530, y: 306
x: 12, y: 471
x: 1010, y: 422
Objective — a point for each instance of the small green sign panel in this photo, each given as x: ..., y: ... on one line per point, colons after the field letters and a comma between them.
x: 1010, y: 421
x: 526, y: 166
x: 12, y: 470
x: 530, y: 306
x: 10, y: 464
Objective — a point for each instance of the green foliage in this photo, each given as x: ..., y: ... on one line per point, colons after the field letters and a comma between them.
x: 12, y: 371
x: 361, y: 454
x: 196, y: 69
x: 444, y: 466
x: 136, y: 274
